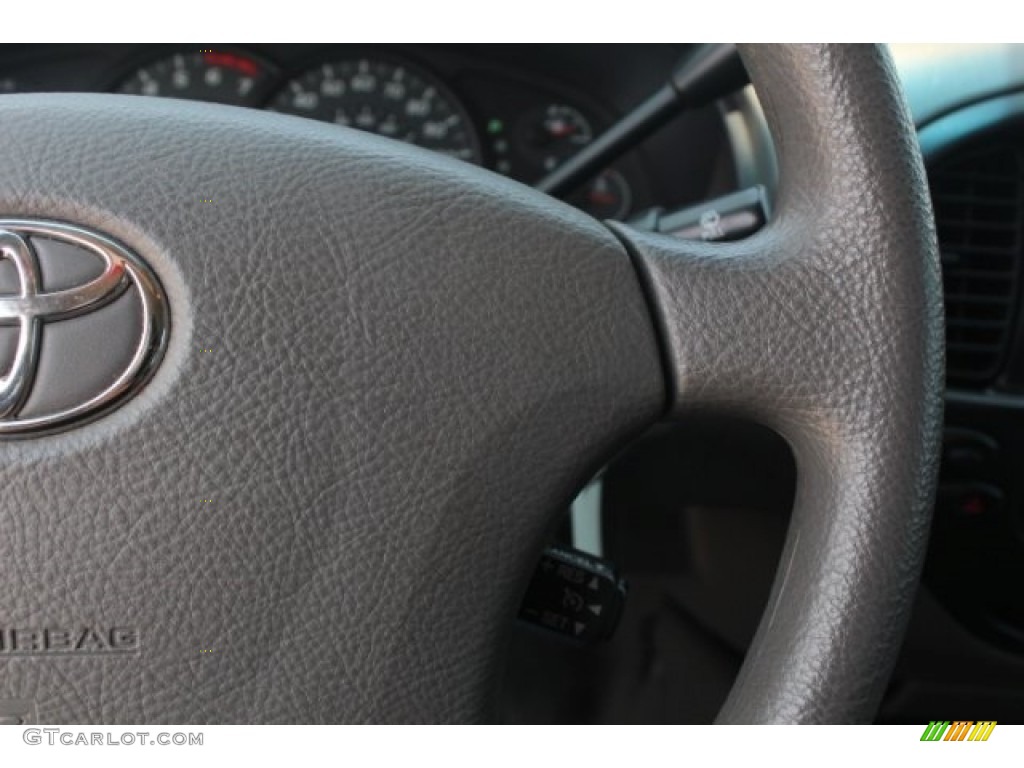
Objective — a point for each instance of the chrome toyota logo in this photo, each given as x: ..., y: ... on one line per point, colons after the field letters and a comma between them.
x: 82, y: 324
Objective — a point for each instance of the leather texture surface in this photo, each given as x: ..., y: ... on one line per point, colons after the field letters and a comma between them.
x: 828, y: 327
x: 329, y: 516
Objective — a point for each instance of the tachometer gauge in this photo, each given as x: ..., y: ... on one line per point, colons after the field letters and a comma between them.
x: 553, y: 133
x: 388, y: 98
x: 205, y: 75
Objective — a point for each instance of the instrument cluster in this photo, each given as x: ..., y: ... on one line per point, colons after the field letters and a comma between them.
x: 518, y: 110
x: 401, y: 99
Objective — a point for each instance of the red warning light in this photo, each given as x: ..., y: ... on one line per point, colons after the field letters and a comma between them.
x: 232, y: 61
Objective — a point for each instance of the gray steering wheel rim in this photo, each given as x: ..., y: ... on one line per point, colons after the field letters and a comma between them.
x: 828, y: 327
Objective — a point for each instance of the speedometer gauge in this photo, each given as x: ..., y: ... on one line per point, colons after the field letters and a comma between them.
x: 205, y: 75
x: 391, y: 99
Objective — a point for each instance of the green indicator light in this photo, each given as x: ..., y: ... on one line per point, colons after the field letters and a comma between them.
x: 495, y: 126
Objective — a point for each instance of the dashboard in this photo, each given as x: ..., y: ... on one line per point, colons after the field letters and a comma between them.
x: 517, y: 110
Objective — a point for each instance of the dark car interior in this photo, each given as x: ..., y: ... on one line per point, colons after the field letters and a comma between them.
x: 693, y: 514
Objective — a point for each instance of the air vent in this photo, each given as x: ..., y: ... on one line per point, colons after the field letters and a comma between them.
x: 978, y: 200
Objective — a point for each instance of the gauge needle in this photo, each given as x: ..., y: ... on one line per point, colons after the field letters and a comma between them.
x: 709, y: 73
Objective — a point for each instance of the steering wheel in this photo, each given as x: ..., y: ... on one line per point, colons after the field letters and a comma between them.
x: 386, y: 373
